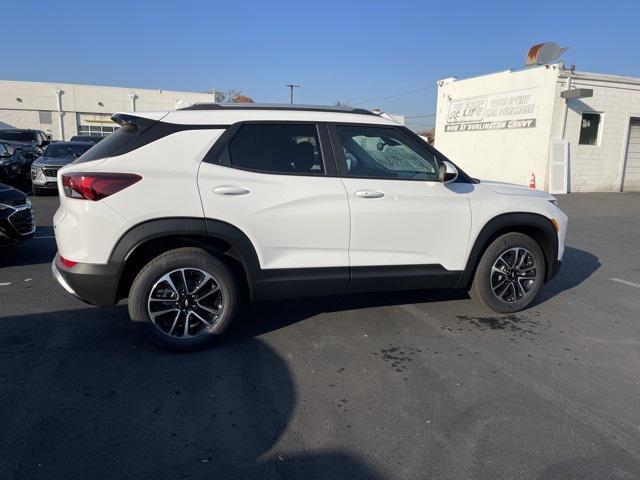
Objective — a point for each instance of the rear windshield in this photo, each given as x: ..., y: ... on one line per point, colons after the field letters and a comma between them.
x: 17, y: 136
x: 136, y: 132
x: 125, y: 139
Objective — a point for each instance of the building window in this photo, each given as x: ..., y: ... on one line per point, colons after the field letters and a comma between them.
x: 45, y: 117
x: 96, y: 130
x: 589, y: 128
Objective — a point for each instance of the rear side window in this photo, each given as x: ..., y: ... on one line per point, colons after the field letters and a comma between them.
x: 276, y: 148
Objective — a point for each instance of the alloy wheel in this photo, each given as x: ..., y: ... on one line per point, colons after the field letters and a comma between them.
x: 513, y: 274
x: 185, y: 303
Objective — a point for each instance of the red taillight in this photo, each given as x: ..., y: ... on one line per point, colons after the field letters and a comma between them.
x: 67, y: 263
x: 96, y: 186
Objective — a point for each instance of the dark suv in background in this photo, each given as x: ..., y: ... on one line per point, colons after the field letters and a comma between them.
x: 16, y: 215
x: 30, y: 142
x: 13, y: 166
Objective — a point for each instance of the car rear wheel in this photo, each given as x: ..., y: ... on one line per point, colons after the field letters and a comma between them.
x: 509, y: 274
x: 183, y: 299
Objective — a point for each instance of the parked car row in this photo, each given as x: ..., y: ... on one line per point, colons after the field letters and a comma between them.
x: 30, y: 157
x: 30, y: 160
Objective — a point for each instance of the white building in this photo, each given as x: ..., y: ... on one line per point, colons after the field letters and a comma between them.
x: 575, y: 131
x: 63, y: 110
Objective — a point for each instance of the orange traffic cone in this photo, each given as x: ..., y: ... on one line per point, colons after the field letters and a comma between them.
x: 532, y: 182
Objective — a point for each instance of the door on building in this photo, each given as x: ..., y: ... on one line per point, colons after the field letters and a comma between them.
x: 631, y: 179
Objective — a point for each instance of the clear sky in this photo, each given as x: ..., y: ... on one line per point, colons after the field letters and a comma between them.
x: 365, y: 53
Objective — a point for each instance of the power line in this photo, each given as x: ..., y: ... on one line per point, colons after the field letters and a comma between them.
x: 430, y: 115
x: 409, y: 92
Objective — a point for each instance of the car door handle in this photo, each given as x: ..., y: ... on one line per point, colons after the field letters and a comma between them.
x: 369, y: 194
x: 230, y: 190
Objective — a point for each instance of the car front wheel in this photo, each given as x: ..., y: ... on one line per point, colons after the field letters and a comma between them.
x: 183, y: 299
x: 509, y: 274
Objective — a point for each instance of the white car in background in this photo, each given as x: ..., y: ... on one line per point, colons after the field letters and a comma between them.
x: 186, y: 212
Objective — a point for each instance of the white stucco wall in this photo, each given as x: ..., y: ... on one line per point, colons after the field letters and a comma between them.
x: 511, y: 154
x: 599, y: 168
x: 21, y: 101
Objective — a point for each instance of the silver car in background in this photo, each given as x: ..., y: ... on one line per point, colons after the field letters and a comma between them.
x: 44, y: 170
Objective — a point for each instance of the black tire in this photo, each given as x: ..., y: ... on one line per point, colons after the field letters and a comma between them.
x: 196, y: 261
x: 37, y: 192
x: 481, y: 288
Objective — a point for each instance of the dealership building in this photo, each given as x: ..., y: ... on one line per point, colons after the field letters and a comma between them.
x: 573, y: 131
x: 63, y: 110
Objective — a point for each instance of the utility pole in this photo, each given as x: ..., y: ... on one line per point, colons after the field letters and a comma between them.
x: 291, y: 87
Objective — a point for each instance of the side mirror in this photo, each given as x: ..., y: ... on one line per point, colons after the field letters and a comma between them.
x: 447, y: 172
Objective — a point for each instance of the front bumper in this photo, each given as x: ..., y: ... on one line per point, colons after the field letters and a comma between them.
x: 40, y: 179
x: 17, y: 224
x: 91, y: 283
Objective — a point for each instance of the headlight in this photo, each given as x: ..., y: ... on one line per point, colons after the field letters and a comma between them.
x: 35, y: 171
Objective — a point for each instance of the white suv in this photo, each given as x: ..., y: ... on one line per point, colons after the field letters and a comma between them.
x: 186, y: 212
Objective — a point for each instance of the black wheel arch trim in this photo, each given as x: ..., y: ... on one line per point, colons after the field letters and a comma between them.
x: 280, y: 283
x: 159, y: 228
x: 276, y: 283
x: 512, y: 222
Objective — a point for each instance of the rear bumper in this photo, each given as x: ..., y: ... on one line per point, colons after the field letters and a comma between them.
x: 93, y: 284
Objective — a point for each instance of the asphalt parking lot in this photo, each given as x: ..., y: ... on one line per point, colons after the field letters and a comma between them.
x: 410, y: 385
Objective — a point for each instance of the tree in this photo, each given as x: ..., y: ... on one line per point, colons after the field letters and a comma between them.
x: 340, y: 104
x: 430, y: 134
x: 232, y: 96
x: 242, y: 99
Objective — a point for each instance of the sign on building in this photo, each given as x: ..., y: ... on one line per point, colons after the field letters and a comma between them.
x: 499, y: 111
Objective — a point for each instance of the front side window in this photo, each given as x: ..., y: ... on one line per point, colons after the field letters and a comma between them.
x: 589, y: 128
x: 277, y: 148
x: 384, y: 152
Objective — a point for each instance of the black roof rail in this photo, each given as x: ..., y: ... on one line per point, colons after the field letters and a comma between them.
x: 276, y: 106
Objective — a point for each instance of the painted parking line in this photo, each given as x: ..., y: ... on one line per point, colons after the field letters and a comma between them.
x: 625, y: 282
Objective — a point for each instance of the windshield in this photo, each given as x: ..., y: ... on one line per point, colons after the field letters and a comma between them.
x: 66, y: 150
x: 17, y: 136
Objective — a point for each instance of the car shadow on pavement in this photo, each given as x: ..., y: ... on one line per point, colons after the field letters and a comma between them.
x: 89, y: 398
x: 577, y: 266
x: 262, y: 317
x: 30, y: 252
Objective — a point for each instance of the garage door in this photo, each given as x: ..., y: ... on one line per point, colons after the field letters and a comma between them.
x: 631, y: 181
